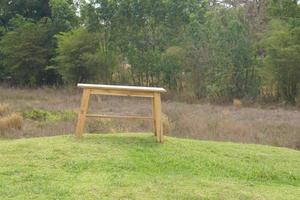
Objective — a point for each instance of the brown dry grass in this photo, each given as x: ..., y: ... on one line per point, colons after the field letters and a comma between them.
x: 272, y: 126
x: 11, y: 122
x: 237, y: 103
x: 276, y: 127
x: 4, y: 108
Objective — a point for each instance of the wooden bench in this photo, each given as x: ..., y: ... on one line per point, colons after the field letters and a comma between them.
x: 115, y: 90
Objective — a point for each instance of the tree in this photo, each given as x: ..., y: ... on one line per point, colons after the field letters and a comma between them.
x: 282, y: 59
x: 172, y: 67
x: 212, y: 49
x: 25, y: 51
x: 82, y: 57
x: 280, y: 50
x: 220, y: 57
x: 34, y: 9
x: 63, y: 15
x: 143, y: 31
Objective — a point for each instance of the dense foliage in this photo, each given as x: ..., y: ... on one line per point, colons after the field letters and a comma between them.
x: 206, y: 49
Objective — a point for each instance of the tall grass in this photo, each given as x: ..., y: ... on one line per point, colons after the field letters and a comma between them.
x: 12, y: 121
x: 4, y: 108
x: 51, y: 112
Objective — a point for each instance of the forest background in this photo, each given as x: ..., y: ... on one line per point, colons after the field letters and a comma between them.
x: 212, y: 50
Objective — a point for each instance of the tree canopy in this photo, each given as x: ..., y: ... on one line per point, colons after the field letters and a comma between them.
x: 205, y: 49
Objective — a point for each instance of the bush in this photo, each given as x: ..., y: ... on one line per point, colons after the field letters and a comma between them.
x: 25, y: 52
x: 12, y: 121
x: 81, y: 58
x: 48, y: 116
x: 237, y: 103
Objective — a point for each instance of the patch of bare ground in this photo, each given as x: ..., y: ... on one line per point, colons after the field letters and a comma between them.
x: 277, y: 127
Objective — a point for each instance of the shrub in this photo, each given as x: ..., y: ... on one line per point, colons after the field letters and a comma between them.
x: 25, y: 52
x: 80, y: 57
x: 48, y: 116
x: 12, y: 121
x: 237, y: 103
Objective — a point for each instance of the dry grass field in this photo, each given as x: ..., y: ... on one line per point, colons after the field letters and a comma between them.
x: 46, y: 112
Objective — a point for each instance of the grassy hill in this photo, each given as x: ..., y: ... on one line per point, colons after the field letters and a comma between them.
x: 133, y: 166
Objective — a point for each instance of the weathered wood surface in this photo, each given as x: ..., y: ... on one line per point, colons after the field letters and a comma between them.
x: 121, y: 87
x: 82, y: 112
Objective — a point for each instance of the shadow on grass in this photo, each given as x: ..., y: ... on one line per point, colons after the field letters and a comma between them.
x: 121, y: 139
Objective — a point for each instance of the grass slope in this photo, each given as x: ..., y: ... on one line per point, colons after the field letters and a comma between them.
x: 132, y: 166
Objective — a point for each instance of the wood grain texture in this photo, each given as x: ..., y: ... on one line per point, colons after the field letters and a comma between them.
x: 118, y: 92
x: 158, y: 117
x: 82, y: 112
x: 153, y: 116
x: 119, y: 116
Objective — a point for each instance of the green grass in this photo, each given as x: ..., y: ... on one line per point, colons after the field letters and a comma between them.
x: 133, y: 166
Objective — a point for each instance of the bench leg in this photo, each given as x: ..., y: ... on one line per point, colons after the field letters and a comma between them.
x: 153, y: 116
x: 158, y: 117
x: 82, y: 112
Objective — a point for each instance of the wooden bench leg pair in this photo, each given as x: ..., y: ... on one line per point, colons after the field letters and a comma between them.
x: 156, y: 110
